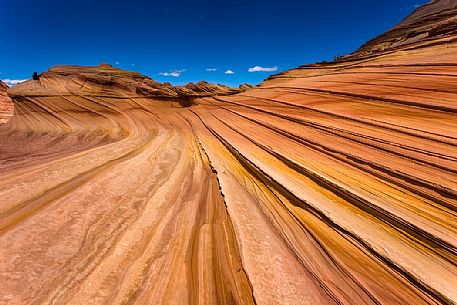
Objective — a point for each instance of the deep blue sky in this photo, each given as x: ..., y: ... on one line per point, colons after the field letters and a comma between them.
x: 154, y: 37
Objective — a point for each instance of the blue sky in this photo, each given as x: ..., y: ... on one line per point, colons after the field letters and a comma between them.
x: 181, y: 40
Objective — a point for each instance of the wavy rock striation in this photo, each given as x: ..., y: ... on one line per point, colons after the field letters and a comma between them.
x: 434, y: 20
x: 6, y: 105
x: 327, y: 184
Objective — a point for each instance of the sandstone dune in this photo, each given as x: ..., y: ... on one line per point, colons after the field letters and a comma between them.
x: 332, y: 183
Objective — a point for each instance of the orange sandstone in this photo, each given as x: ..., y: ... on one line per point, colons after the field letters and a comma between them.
x: 333, y: 183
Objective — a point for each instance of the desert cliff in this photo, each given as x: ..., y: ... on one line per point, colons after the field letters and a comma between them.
x: 332, y: 183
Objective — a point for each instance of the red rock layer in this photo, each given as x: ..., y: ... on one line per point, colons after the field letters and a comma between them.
x: 107, y: 197
x: 358, y: 163
x: 434, y: 20
x: 328, y: 184
x: 6, y: 105
x: 105, y: 80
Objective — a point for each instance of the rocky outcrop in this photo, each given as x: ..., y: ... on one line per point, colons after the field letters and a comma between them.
x: 327, y: 184
x: 105, y: 80
x: 3, y: 87
x: 246, y: 86
x: 6, y: 105
x: 432, y: 22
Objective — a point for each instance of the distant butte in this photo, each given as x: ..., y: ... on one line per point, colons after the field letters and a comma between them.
x: 331, y: 183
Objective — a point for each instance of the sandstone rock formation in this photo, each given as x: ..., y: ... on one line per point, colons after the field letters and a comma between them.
x: 105, y: 80
x: 327, y: 184
x: 437, y: 19
x: 6, y: 105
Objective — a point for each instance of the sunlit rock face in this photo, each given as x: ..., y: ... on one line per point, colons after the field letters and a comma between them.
x: 6, y: 105
x: 327, y: 184
x: 435, y: 20
x: 106, y: 80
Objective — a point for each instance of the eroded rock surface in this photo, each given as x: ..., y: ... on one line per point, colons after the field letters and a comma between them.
x: 106, y: 80
x: 434, y: 20
x: 327, y: 184
x: 6, y: 105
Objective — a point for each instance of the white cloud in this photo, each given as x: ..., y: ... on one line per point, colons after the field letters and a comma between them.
x: 12, y: 82
x: 117, y: 63
x: 175, y: 73
x: 262, y: 69
x: 211, y: 69
x: 229, y: 72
